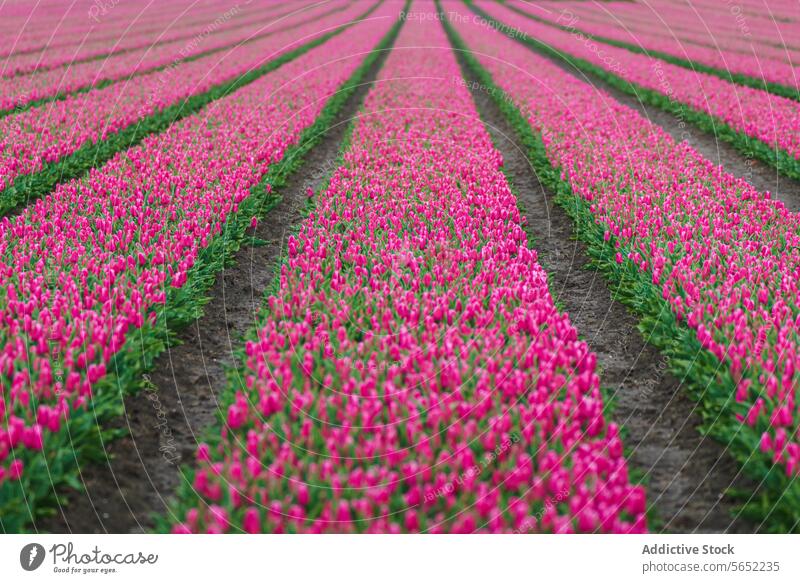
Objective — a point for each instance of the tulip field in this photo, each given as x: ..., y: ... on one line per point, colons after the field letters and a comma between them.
x: 758, y: 122
x: 289, y: 267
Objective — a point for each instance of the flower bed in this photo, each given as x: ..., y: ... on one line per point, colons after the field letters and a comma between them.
x: 710, y: 261
x: 24, y: 90
x: 757, y: 122
x: 89, y: 272
x: 411, y: 372
x: 672, y: 32
x: 38, y: 138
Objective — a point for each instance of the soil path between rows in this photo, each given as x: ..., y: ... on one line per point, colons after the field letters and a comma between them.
x: 685, y: 473
x: 168, y: 420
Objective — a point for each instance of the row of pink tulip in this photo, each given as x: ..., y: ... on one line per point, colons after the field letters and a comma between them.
x: 74, y: 26
x: 110, y: 58
x: 20, y: 90
x: 38, y: 17
x: 741, y: 25
x: 724, y: 256
x: 82, y: 269
x: 769, y: 63
x: 781, y: 15
x: 769, y: 118
x: 413, y: 373
x: 734, y: 28
x: 746, y: 20
x: 42, y: 135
